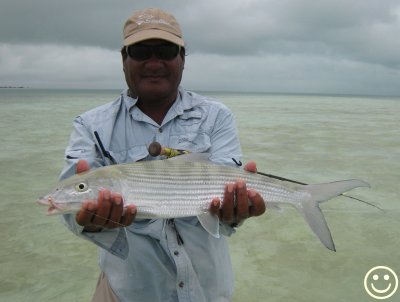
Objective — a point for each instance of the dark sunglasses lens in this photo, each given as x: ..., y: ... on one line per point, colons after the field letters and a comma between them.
x: 139, y: 52
x: 144, y: 52
x: 166, y: 52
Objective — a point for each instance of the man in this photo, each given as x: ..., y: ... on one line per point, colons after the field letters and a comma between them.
x: 157, y: 260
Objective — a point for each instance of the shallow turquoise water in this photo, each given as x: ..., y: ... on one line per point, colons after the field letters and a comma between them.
x: 276, y: 257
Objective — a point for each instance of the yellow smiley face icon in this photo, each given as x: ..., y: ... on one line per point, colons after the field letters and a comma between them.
x: 381, y: 282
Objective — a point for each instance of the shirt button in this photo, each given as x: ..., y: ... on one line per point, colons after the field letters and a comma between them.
x: 181, y: 284
x: 176, y: 253
x: 160, y: 130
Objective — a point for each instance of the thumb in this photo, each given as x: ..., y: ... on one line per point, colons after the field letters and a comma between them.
x: 251, y: 167
x: 82, y: 166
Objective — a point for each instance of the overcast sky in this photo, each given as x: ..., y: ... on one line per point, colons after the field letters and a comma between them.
x: 306, y: 46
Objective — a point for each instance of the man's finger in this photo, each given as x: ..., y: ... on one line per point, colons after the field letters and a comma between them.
x: 103, y: 208
x: 228, y: 207
x: 116, y: 211
x: 129, y: 216
x: 82, y: 166
x: 258, y: 205
x: 85, y: 214
x: 214, y: 206
x: 242, y: 207
x: 251, y: 167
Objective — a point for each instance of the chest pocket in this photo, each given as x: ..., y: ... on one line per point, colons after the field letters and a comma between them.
x: 198, y: 142
x: 133, y: 154
x: 189, y: 118
x: 189, y: 133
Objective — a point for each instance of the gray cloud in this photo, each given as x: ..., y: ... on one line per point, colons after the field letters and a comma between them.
x: 290, y: 73
x: 263, y: 45
x: 60, y: 66
x: 89, y: 22
x: 360, y: 30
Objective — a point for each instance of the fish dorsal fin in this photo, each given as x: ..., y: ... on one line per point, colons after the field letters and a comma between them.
x: 193, y: 157
x: 210, y: 223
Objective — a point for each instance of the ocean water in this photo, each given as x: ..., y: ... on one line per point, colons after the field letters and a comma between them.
x: 309, y: 138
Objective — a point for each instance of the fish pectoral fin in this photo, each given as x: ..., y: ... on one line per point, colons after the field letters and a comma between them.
x: 316, y: 220
x: 210, y: 223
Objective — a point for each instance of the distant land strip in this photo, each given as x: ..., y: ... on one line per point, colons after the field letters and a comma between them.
x: 12, y: 87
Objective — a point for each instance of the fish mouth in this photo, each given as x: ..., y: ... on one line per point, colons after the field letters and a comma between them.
x: 53, y: 207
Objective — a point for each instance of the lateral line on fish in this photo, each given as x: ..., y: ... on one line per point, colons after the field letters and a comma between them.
x: 155, y: 149
x: 102, y: 217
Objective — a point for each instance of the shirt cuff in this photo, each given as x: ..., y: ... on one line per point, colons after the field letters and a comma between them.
x: 112, y: 240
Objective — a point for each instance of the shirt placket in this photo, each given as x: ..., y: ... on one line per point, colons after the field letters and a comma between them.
x: 176, y: 249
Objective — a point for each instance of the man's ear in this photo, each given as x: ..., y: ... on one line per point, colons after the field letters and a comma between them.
x: 124, y: 54
x: 183, y: 61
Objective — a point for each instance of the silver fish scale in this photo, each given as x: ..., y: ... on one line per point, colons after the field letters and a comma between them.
x: 176, y: 189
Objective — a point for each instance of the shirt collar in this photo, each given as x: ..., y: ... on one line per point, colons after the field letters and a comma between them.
x: 183, y: 102
x: 129, y: 101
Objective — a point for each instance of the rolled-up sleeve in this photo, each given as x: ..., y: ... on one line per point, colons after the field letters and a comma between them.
x: 82, y: 146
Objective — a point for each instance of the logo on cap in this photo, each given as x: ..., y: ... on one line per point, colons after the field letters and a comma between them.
x: 147, y: 18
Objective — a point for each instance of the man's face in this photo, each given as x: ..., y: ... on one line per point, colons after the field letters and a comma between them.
x: 154, y: 79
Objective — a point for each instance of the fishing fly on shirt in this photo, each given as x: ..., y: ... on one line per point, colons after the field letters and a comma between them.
x: 185, y: 185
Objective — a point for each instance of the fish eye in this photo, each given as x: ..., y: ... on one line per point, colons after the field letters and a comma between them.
x: 81, y: 187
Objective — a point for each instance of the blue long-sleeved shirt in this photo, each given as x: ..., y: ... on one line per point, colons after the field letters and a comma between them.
x: 147, y: 260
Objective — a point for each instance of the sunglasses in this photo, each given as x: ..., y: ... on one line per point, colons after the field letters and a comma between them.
x: 141, y: 52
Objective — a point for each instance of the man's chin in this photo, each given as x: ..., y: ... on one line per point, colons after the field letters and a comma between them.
x: 157, y: 93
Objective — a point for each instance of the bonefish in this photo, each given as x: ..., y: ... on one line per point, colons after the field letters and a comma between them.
x: 181, y: 187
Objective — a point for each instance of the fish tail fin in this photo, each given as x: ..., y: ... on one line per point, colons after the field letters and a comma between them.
x: 320, y: 193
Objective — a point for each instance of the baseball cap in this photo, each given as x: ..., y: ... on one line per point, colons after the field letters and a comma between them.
x: 152, y: 23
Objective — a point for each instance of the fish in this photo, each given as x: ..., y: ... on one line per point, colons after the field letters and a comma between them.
x: 184, y: 186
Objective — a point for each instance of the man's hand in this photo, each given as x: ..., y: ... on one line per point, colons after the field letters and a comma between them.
x: 238, y: 203
x: 106, y: 212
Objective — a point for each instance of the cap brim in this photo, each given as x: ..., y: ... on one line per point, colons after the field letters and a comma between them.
x: 153, y: 34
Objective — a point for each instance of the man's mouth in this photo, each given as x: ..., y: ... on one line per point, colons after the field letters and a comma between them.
x: 154, y: 76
